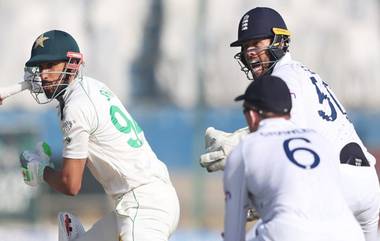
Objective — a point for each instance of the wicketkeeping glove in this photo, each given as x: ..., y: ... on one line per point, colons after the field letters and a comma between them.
x: 34, y: 162
x: 219, y: 144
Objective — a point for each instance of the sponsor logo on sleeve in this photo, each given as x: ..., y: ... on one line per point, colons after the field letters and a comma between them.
x: 67, y: 140
x: 66, y: 126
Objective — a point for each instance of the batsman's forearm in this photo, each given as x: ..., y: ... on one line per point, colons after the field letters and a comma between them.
x: 61, y: 182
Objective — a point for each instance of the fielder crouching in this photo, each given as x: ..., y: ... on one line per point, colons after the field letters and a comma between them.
x: 287, y: 173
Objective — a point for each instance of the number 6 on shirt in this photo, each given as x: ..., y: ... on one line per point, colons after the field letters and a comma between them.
x: 290, y: 153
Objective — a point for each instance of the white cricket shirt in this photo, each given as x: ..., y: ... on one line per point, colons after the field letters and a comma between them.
x: 287, y: 174
x: 96, y: 126
x: 316, y: 106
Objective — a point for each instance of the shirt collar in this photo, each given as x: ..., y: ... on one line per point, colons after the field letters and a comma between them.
x: 70, y: 88
x: 62, y: 99
x: 274, y: 122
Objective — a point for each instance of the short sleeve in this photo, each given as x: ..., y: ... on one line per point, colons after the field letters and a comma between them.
x: 76, y: 129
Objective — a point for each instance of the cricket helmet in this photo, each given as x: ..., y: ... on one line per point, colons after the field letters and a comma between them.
x: 50, y: 47
x: 262, y: 23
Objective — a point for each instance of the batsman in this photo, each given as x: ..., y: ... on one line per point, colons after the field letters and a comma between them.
x: 264, y: 41
x: 98, y: 132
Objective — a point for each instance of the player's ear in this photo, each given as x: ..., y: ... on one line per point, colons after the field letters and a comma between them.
x: 252, y: 119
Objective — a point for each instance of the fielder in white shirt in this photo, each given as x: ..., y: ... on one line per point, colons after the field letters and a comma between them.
x: 264, y: 41
x: 286, y: 172
x: 98, y: 133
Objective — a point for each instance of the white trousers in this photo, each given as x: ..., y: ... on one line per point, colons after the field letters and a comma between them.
x: 150, y: 212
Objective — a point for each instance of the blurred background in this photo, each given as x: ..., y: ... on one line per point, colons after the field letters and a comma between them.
x: 170, y: 62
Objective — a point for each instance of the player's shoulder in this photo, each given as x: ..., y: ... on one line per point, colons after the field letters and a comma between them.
x: 277, y: 130
x: 235, y: 156
x: 96, y: 89
x: 253, y: 141
x: 89, y: 84
x: 311, y: 136
x: 80, y: 99
x: 87, y: 88
x: 291, y: 71
x: 294, y: 74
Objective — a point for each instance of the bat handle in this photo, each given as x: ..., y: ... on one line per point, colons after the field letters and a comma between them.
x: 14, y: 89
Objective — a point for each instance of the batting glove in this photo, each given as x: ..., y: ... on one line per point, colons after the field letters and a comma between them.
x: 219, y: 144
x: 34, y: 162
